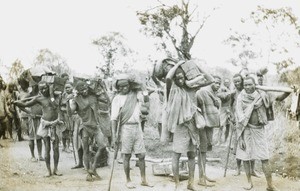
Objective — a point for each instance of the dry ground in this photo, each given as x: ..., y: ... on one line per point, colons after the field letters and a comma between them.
x: 19, y: 173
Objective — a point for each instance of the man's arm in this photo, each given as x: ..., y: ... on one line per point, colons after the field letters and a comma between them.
x: 73, y: 106
x: 26, y: 104
x: 282, y: 96
x: 154, y: 78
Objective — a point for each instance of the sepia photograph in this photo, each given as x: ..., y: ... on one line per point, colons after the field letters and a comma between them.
x: 150, y: 95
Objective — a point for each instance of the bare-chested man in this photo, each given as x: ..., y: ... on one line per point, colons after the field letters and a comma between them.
x: 49, y: 121
x: 86, y: 106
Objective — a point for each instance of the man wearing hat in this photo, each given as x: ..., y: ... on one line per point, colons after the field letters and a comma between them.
x: 126, y: 111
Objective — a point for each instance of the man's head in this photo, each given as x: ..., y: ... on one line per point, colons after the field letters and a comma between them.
x: 179, y: 78
x: 44, y: 89
x: 11, y: 87
x: 249, y: 84
x: 65, y: 76
x: 162, y: 68
x: 238, y: 81
x: 226, y: 83
x: 68, y: 88
x: 82, y: 88
x: 122, y: 84
x: 260, y: 79
x: 216, y: 85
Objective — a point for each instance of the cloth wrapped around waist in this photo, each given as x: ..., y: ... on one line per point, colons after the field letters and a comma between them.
x: 255, y: 126
x: 48, y: 129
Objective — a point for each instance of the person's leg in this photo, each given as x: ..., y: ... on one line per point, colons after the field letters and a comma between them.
x: 10, y: 127
x: 4, y: 128
x: 80, y: 159
x: 86, y: 153
x: 1, y: 128
x: 94, y: 166
x: 191, y: 163
x: 247, y: 168
x: 238, y: 165
x: 226, y: 133
x: 68, y: 141
x: 142, y: 166
x: 209, y: 134
x: 268, y: 174
x: 39, y: 145
x: 64, y: 140
x: 18, y: 126
x: 56, y: 156
x: 253, y: 172
x: 126, y: 165
x: 219, y: 135
x: 175, y: 168
x: 143, y: 122
x: 31, y: 147
x: 47, y: 155
x: 159, y: 126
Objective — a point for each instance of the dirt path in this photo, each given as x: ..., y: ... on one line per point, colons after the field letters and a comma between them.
x: 19, y: 173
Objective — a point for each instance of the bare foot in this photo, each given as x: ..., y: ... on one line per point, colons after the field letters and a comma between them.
x: 272, y: 188
x: 67, y: 150
x: 33, y: 159
x: 146, y: 184
x: 77, y: 166
x: 248, y: 187
x: 255, y: 174
x: 89, y: 178
x: 97, y: 177
x: 238, y: 173
x: 48, y: 175
x: 191, y: 187
x: 210, y: 180
x: 202, y: 182
x: 56, y: 173
x: 130, y: 185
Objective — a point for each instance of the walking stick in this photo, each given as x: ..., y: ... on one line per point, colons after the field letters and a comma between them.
x: 117, y: 145
x: 227, y: 157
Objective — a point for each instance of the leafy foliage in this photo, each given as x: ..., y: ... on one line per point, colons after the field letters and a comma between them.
x: 113, y: 49
x: 161, y: 22
x: 54, y: 61
x: 15, y: 70
x: 243, y: 48
x: 284, y: 30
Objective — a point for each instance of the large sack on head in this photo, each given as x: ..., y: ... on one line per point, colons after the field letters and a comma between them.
x: 192, y: 72
x: 159, y: 70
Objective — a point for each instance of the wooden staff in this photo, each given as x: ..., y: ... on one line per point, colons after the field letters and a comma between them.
x: 228, y: 151
x: 275, y: 89
x: 117, y: 145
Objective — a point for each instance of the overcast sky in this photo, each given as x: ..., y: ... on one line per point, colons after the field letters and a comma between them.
x: 67, y: 27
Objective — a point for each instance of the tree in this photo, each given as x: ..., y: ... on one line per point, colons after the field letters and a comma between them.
x: 162, y: 22
x: 114, y: 51
x: 243, y: 49
x: 15, y: 70
x: 52, y: 60
x: 283, y: 32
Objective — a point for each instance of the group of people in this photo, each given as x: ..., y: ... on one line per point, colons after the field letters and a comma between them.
x: 194, y: 104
